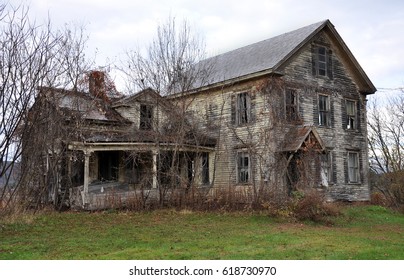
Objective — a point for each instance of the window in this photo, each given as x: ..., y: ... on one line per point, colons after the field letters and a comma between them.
x: 326, y: 169
x: 351, y: 114
x: 146, y: 117
x: 243, y: 167
x: 205, y: 168
x: 291, y: 105
x: 353, y: 167
x: 322, y: 62
x: 324, y: 110
x: 243, y: 108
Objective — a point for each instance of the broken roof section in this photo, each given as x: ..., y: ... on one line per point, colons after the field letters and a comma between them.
x: 89, y: 107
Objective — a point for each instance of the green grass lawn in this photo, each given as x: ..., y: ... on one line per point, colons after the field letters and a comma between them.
x: 362, y: 232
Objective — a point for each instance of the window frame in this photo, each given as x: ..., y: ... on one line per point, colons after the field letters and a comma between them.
x: 351, y: 117
x: 291, y: 108
x: 243, y: 108
x: 146, y: 117
x: 322, y: 61
x: 324, y: 112
x: 326, y: 164
x: 353, y: 171
x: 243, y: 169
x: 321, y: 65
x: 205, y: 172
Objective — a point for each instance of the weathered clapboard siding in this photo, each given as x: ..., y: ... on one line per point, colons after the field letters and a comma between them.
x: 242, y: 121
x: 336, y: 137
x: 214, y: 110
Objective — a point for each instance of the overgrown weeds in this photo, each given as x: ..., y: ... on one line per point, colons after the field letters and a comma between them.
x: 303, y: 205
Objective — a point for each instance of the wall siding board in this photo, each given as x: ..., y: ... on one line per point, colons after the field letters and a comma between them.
x: 297, y: 74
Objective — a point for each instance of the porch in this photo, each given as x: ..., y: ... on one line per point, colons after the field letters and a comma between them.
x: 116, y: 173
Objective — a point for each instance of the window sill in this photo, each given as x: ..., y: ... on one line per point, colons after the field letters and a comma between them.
x: 353, y: 131
x: 243, y: 124
x: 244, y: 184
x: 324, y: 126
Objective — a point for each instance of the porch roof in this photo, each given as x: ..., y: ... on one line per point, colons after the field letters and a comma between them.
x: 298, y: 136
x: 136, y: 146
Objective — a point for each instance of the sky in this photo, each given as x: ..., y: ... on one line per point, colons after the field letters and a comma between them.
x: 372, y: 30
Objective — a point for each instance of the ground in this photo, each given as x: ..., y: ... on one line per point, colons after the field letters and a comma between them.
x: 362, y: 232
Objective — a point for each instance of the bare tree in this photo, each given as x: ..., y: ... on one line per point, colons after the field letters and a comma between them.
x: 32, y: 57
x: 386, y: 146
x: 171, y: 62
x: 386, y: 132
x: 171, y: 65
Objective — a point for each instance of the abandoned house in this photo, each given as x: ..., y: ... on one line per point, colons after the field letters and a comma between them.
x: 288, y: 112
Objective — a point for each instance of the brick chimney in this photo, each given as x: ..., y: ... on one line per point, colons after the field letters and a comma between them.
x: 96, y: 84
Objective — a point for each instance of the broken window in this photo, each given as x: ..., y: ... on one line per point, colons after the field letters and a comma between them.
x: 353, y: 167
x: 326, y: 169
x: 146, y: 117
x: 351, y: 114
x: 291, y: 105
x: 243, y: 108
x: 324, y: 110
x: 243, y: 167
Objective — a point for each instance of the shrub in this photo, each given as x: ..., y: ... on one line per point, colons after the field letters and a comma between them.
x: 311, y: 205
x: 378, y: 198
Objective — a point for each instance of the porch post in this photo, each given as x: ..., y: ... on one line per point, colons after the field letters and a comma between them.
x: 154, y: 152
x: 86, y: 177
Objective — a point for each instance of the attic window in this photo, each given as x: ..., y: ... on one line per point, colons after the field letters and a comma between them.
x: 146, y: 117
x: 322, y: 62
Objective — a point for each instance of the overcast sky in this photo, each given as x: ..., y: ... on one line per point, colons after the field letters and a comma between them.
x: 373, y: 30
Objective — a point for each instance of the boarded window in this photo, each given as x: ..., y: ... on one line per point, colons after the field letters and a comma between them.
x: 353, y: 167
x: 351, y: 115
x: 243, y: 167
x: 291, y: 105
x: 324, y: 110
x: 146, y: 117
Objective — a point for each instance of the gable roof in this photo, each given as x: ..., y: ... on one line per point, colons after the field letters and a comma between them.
x: 133, y: 97
x: 297, y: 136
x: 268, y: 56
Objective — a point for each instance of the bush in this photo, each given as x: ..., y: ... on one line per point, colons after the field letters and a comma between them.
x: 311, y: 205
x: 378, y: 198
x: 388, y: 189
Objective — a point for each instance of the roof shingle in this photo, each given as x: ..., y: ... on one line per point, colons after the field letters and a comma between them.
x: 259, y: 56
